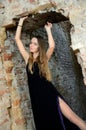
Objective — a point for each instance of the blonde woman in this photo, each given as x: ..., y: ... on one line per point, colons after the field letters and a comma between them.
x: 50, y: 110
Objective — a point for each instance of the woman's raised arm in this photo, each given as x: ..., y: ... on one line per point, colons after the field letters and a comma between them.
x: 51, y: 42
x: 20, y: 45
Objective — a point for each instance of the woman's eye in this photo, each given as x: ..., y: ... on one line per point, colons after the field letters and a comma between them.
x: 35, y: 43
x: 30, y: 43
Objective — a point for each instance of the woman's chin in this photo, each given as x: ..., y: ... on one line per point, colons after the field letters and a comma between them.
x: 31, y: 51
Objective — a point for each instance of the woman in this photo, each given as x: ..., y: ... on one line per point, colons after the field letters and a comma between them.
x: 50, y: 110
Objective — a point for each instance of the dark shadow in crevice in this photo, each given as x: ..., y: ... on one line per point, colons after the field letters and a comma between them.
x: 37, y: 20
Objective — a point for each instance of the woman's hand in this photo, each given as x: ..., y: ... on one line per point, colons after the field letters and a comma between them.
x: 22, y: 20
x: 48, y: 26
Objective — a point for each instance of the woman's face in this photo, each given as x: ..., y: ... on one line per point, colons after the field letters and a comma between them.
x: 34, y: 46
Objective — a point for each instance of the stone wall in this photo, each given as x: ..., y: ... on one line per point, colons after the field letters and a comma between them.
x: 6, y: 66
x: 14, y: 99
x: 14, y: 92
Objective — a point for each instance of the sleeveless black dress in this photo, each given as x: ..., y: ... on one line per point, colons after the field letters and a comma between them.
x: 45, y: 103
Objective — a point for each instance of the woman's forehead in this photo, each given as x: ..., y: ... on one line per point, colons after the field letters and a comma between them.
x: 34, y: 39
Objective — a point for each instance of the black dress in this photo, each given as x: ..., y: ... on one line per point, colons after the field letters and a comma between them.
x: 45, y: 103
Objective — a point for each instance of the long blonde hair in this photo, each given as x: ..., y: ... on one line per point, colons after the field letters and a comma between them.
x: 41, y: 60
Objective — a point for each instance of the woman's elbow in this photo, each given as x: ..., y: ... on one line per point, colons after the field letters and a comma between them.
x: 16, y: 38
x: 53, y: 47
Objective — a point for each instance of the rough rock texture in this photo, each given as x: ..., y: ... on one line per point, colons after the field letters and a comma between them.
x: 75, y: 10
x: 15, y: 106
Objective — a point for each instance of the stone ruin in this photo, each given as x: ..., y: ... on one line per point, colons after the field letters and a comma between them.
x: 14, y: 99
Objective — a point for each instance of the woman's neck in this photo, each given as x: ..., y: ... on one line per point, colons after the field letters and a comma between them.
x: 35, y: 55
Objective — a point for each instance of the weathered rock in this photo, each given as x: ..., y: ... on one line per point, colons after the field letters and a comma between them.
x: 15, y: 105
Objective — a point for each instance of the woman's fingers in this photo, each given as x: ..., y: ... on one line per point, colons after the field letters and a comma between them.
x: 23, y: 18
x: 48, y: 24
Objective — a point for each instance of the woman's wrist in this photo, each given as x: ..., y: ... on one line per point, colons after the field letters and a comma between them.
x: 19, y: 25
x: 20, y: 22
x: 48, y: 32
